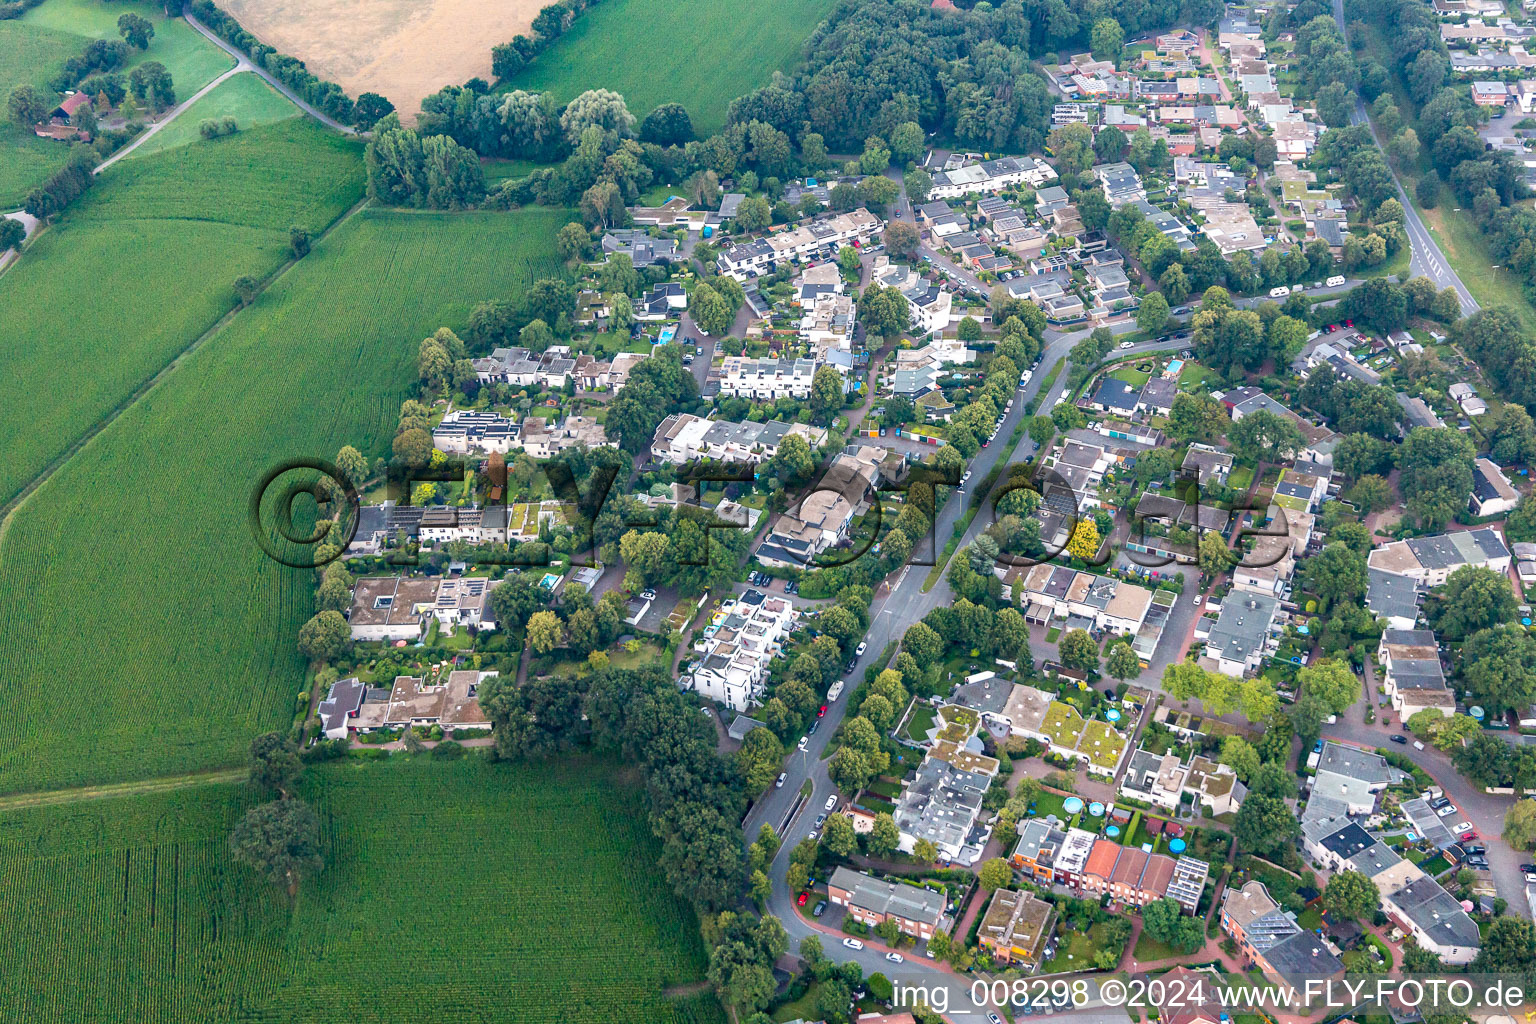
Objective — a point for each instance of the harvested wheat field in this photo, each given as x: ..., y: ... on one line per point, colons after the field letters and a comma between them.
x: 401, y: 49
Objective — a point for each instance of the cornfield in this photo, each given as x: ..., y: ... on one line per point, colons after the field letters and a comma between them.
x: 458, y: 891
x: 146, y: 633
x: 141, y: 268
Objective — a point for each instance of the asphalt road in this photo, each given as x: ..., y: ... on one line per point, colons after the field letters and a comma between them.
x: 893, y: 610
x: 1426, y: 258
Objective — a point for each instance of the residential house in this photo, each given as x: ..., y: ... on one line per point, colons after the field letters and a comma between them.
x: 1120, y: 182
x: 1412, y: 677
x: 1431, y: 560
x: 391, y: 608
x: 917, y: 911
x: 1015, y: 926
x: 1243, y: 634
x: 1492, y: 493
x: 733, y: 667
x: 1272, y: 939
x: 1394, y: 598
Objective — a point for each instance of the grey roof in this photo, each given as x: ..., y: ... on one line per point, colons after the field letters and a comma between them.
x: 342, y: 701
x: 940, y: 803
x: 907, y: 901
x: 1451, y: 550
x: 1243, y: 625
x: 1114, y: 393
x: 1361, y: 765
x: 1392, y: 595
x: 1302, y: 955
x: 1436, y: 912
x: 743, y: 725
x: 988, y: 695
x: 1374, y: 859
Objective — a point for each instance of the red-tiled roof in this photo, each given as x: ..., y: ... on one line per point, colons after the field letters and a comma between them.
x: 1101, y: 861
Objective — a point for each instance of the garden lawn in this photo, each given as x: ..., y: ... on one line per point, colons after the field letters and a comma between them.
x: 245, y: 97
x: 141, y: 267
x: 161, y: 926
x: 1149, y: 950
x: 701, y: 54
x: 920, y: 722
x: 135, y: 565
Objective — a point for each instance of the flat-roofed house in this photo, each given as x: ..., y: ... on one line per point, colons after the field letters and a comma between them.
x: 1015, y: 926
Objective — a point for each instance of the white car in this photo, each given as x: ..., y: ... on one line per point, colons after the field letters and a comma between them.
x: 1446, y: 812
x: 812, y: 834
x: 803, y: 741
x: 1199, y: 600
x: 853, y: 943
x: 831, y: 801
x: 964, y: 478
x: 1460, y: 827
x: 859, y: 651
x: 783, y: 777
x: 895, y: 958
x: 1126, y: 344
x: 647, y: 595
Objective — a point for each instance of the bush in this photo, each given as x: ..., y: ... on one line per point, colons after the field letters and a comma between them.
x: 325, y: 750
x: 217, y: 128
x: 448, y: 750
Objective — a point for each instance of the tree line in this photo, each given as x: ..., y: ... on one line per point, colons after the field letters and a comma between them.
x: 327, y: 97
x: 507, y: 59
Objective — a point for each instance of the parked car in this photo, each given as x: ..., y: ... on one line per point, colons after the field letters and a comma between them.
x: 647, y: 594
x: 1460, y: 827
x: 1529, y: 869
x: 858, y: 652
x: 801, y: 900
x: 856, y: 944
x: 803, y: 741
x: 831, y: 801
x: 1125, y: 344
x: 821, y: 819
x: 895, y: 958
x: 1399, y: 738
x: 820, y: 908
x: 783, y: 778
x: 821, y: 712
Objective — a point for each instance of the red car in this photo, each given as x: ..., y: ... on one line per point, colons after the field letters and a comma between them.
x: 1468, y: 836
x: 821, y: 711
x: 1349, y: 323
x: 803, y: 897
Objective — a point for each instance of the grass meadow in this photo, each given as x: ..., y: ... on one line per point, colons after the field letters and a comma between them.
x: 245, y: 97
x: 702, y: 54
x: 537, y: 900
x: 33, y: 47
x: 142, y: 266
x: 147, y: 633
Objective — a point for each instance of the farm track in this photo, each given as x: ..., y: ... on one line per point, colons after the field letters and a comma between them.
x: 10, y: 507
x: 50, y: 797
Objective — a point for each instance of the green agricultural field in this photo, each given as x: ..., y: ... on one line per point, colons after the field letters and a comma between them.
x: 705, y: 54
x: 142, y: 266
x: 245, y: 97
x: 34, y: 46
x: 540, y: 903
x: 146, y: 632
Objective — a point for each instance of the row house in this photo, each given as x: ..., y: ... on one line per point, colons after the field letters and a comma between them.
x: 990, y: 176
x: 1412, y: 677
x: 766, y: 379
x: 800, y: 243
x: 1271, y: 938
x: 744, y: 637
x: 917, y: 911
x: 684, y: 438
x: 1431, y: 560
x: 1132, y: 876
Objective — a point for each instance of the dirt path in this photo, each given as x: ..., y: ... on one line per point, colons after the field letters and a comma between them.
x: 64, y: 796
x: 243, y: 63
x: 173, y: 114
